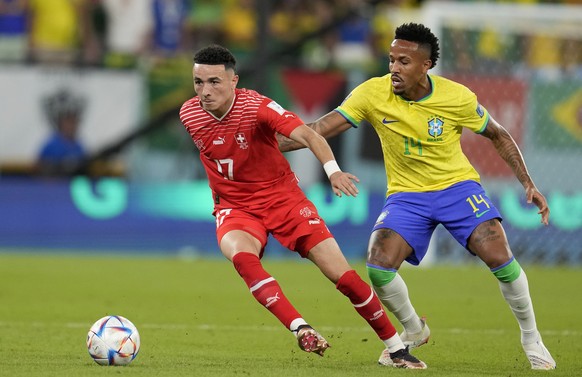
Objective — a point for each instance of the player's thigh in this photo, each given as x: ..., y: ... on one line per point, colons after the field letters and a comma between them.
x: 327, y: 256
x: 489, y: 242
x: 470, y: 216
x: 387, y: 248
x: 297, y: 225
x: 238, y: 231
x: 402, y: 231
x: 237, y: 241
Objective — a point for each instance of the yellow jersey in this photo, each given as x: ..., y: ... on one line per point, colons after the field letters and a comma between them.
x: 420, y: 139
x: 55, y: 23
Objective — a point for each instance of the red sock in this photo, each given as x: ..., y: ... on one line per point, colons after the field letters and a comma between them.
x: 264, y: 287
x: 366, y: 303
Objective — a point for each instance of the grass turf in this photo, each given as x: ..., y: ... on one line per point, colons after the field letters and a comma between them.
x: 197, y: 318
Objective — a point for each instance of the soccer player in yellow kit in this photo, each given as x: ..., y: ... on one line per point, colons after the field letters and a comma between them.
x: 419, y: 119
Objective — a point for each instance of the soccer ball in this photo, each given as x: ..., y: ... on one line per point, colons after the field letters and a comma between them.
x: 113, y: 340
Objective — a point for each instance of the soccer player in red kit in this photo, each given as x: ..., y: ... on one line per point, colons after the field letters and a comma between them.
x: 255, y: 194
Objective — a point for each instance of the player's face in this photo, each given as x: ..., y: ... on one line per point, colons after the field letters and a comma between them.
x: 409, y: 64
x: 215, y: 86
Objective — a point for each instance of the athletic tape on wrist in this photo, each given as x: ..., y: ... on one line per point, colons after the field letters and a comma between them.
x: 331, y: 167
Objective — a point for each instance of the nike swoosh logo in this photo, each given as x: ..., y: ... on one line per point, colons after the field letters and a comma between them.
x: 482, y: 213
x: 388, y: 121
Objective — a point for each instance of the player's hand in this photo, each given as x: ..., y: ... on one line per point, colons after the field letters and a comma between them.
x: 343, y: 182
x: 533, y: 195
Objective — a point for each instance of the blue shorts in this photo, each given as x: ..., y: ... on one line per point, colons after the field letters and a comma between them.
x: 415, y: 215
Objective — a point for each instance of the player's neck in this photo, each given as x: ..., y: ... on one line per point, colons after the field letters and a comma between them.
x: 420, y: 91
x: 224, y: 109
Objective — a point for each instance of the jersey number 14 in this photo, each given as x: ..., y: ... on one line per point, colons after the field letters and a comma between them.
x: 412, y: 143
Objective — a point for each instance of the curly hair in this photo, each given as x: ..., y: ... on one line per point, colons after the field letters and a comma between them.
x: 215, y: 55
x: 422, y: 35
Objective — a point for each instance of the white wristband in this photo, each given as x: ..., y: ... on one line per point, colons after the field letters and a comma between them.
x: 331, y: 167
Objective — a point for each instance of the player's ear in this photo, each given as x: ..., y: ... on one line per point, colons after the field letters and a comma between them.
x: 427, y: 65
x: 234, y: 81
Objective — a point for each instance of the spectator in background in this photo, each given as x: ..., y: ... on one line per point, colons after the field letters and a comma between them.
x: 55, y: 33
x: 318, y: 14
x: 493, y: 48
x: 353, y: 47
x: 239, y: 27
x: 94, y: 32
x: 496, y: 50
x: 205, y: 21
x: 13, y: 33
x: 382, y: 33
x: 572, y: 58
x: 170, y: 31
x: 486, y: 51
x: 128, y: 31
x: 62, y: 153
x: 293, y: 20
x: 353, y: 50
x: 541, y: 58
x: 462, y: 50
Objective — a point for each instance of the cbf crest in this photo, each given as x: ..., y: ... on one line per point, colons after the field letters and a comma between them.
x: 435, y: 128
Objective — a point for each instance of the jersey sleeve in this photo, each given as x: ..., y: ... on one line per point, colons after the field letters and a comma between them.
x: 183, y: 110
x: 281, y: 120
x: 355, y: 106
x: 473, y: 115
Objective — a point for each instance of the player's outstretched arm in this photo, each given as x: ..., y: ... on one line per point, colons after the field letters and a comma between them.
x: 327, y: 126
x: 341, y: 182
x: 509, y: 151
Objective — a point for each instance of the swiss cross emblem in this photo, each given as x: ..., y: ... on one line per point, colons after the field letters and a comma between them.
x: 241, y: 140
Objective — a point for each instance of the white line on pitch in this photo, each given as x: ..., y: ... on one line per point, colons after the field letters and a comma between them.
x: 212, y: 327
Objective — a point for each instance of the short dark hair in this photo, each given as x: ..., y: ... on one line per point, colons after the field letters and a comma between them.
x: 215, y: 55
x: 422, y: 35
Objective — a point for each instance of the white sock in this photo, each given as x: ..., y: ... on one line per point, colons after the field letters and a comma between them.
x: 395, y: 296
x: 295, y: 324
x: 517, y: 296
x: 394, y: 343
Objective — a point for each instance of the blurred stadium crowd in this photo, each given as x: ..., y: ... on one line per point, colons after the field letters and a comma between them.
x: 126, y: 33
x: 122, y: 34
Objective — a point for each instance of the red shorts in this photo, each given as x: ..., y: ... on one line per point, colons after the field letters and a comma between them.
x: 292, y: 220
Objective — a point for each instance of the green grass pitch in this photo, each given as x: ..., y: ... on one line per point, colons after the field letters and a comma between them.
x: 197, y: 318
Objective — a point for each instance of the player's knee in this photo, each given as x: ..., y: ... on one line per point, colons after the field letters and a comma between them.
x: 387, y: 248
x: 380, y: 276
x: 507, y: 272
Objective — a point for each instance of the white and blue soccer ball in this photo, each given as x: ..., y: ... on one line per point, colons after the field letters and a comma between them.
x: 113, y: 340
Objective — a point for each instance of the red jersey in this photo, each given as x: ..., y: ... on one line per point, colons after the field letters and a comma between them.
x: 239, y: 151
